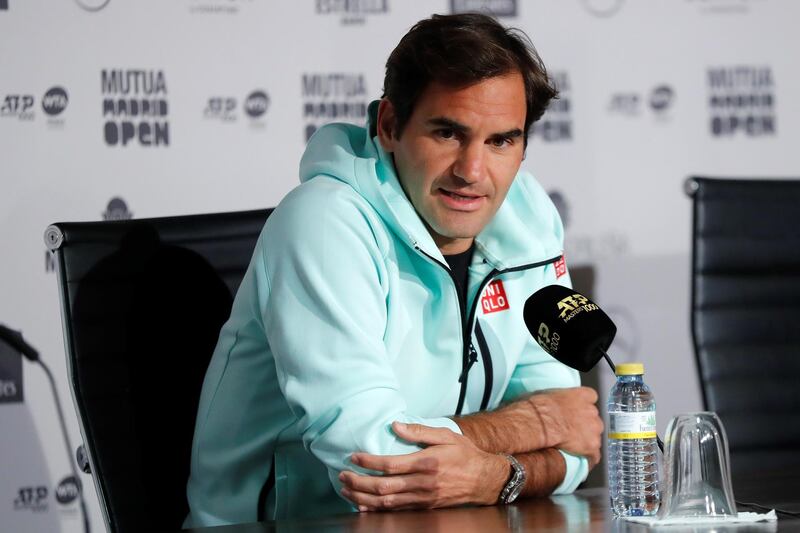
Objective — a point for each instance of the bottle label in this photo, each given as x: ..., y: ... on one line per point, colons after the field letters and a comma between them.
x: 623, y: 425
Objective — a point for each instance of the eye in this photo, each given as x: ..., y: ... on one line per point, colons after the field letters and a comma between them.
x: 445, y: 133
x: 501, y: 142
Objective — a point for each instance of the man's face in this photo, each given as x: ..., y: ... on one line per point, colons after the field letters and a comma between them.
x: 458, y: 154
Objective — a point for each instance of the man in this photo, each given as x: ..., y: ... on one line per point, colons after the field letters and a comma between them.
x: 376, y: 356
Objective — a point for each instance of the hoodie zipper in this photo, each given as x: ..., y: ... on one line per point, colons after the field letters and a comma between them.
x: 470, y: 355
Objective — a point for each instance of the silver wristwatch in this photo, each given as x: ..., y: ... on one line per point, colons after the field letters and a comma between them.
x: 517, y: 481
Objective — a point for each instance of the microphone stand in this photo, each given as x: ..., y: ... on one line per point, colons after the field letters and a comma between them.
x: 14, y: 339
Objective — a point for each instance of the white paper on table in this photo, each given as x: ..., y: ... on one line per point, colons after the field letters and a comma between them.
x: 740, y: 518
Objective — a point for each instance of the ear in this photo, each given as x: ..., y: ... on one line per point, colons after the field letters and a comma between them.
x: 387, y: 120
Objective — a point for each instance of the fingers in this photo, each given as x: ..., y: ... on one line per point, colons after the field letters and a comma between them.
x: 372, y: 502
x: 420, y: 434
x: 395, y: 464
x: 385, y: 485
x: 591, y: 394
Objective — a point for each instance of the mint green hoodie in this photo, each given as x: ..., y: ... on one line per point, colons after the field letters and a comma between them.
x: 347, y: 319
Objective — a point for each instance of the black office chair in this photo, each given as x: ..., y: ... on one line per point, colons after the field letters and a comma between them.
x: 142, y: 304
x: 746, y: 315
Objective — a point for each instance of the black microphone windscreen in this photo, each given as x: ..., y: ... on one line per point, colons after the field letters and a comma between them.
x: 569, y: 326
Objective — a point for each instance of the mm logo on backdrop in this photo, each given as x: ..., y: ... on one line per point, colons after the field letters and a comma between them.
x: 741, y: 101
x: 497, y: 8
x: 117, y: 209
x: 10, y: 375
x: 333, y: 97
x: 19, y: 106
x: 352, y: 11
x: 135, y: 107
x: 556, y: 123
x: 222, y: 108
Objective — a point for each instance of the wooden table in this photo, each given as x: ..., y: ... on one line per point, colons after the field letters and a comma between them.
x: 586, y: 510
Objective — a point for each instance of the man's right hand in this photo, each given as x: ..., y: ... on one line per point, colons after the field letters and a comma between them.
x: 566, y: 419
x: 569, y: 420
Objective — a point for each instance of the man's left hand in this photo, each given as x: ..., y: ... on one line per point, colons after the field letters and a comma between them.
x: 450, y: 471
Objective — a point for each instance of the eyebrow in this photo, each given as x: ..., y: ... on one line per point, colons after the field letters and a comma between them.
x: 461, y: 128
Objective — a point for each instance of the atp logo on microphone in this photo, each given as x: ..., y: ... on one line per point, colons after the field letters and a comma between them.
x: 571, y: 306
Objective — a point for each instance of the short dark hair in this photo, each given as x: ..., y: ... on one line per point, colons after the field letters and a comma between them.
x: 457, y: 51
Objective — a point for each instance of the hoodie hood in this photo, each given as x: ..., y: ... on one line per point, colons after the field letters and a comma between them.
x: 525, y: 230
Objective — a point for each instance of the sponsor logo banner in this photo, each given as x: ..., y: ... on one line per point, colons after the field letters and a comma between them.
x: 135, y: 107
x: 556, y: 123
x: 741, y: 101
x: 333, y: 97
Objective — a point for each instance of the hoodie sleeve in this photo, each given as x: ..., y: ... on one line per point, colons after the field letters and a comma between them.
x: 537, y: 370
x: 322, y: 275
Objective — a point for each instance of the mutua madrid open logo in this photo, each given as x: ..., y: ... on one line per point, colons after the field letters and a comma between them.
x: 135, y: 107
x: 741, y: 100
x: 556, y: 123
x: 333, y: 97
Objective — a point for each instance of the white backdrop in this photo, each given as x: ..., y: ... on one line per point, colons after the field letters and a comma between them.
x: 653, y: 92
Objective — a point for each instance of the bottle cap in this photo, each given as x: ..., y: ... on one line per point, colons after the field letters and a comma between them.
x: 630, y: 369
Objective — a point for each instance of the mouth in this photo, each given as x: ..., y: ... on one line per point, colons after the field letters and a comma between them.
x: 461, y: 201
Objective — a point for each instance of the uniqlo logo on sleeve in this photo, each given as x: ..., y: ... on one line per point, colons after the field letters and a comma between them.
x: 494, y: 298
x: 560, y: 266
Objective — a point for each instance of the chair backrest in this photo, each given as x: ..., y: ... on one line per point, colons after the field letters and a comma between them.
x: 142, y: 304
x: 746, y: 314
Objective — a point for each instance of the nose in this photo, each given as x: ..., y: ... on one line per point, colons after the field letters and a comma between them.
x: 470, y: 165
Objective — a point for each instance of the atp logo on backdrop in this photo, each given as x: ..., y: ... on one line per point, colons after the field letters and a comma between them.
x: 741, y: 101
x: 631, y: 103
x: 333, y: 97
x: 222, y: 108
x: 3, y: 5
x: 17, y: 105
x: 556, y: 123
x: 135, y: 107
x: 497, y: 8
x: 352, y: 11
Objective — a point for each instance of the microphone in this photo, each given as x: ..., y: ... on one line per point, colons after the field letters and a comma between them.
x: 569, y: 326
x: 14, y: 339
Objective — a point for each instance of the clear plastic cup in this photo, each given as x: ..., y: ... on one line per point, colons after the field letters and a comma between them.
x: 697, y: 474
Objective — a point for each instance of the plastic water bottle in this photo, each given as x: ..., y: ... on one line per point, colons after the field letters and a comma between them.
x: 632, y: 447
